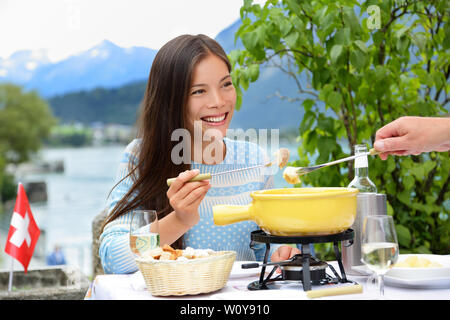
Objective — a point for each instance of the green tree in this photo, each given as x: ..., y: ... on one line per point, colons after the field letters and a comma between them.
x: 25, y: 120
x: 358, y: 79
x: 69, y: 135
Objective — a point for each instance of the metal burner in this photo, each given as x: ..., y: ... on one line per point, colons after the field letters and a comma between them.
x: 294, y: 272
x: 301, y: 267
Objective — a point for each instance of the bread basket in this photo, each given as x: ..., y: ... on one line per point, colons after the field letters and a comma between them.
x: 194, y: 276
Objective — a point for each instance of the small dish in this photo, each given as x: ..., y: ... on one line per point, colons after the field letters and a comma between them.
x: 412, y: 273
x: 433, y: 283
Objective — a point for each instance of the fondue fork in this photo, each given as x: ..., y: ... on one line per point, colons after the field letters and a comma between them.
x: 282, y: 159
x: 206, y: 176
x: 304, y: 170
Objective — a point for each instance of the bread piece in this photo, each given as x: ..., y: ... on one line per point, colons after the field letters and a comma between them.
x: 168, y: 253
x: 182, y: 259
x: 168, y: 248
x: 282, y: 157
x: 189, y: 253
x: 290, y: 175
x: 155, y: 253
x: 166, y: 256
x: 179, y: 253
x: 199, y: 253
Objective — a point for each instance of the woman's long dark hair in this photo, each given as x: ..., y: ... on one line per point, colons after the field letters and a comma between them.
x: 162, y: 111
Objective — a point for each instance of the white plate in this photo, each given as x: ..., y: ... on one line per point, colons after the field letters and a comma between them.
x: 434, y: 283
x: 238, y: 272
x: 421, y: 278
x: 422, y: 273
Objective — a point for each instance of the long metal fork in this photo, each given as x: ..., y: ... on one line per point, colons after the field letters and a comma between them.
x: 305, y: 170
x: 282, y: 159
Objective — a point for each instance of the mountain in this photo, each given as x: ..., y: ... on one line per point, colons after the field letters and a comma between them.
x: 21, y: 65
x: 261, y: 109
x: 106, y: 84
x: 104, y: 65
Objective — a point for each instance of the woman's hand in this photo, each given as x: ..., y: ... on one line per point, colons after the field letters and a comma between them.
x: 283, y: 253
x: 185, y: 197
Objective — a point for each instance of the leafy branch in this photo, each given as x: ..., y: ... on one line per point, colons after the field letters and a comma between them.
x: 366, y: 78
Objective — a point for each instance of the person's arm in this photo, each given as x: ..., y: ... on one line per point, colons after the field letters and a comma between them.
x: 114, y: 250
x: 184, y: 198
x: 412, y: 136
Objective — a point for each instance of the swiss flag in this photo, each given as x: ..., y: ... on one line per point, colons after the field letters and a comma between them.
x: 23, y: 232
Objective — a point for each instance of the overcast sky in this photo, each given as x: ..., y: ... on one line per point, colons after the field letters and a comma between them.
x: 65, y: 27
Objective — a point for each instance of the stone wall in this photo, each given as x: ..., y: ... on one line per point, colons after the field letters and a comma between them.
x: 97, y: 224
x: 46, y: 283
x: 55, y: 282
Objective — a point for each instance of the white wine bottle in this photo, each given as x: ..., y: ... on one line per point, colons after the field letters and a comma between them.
x: 361, y: 180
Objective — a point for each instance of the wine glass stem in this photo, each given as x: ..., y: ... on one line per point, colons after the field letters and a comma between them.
x: 381, y: 284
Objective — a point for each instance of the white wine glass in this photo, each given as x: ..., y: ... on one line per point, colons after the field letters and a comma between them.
x: 144, y: 232
x: 379, y: 246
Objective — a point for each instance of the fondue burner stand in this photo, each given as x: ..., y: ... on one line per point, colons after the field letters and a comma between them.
x: 301, y: 267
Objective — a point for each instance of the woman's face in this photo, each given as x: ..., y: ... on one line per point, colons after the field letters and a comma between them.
x: 212, y: 97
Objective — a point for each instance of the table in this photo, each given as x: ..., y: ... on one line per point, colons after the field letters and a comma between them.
x: 132, y: 287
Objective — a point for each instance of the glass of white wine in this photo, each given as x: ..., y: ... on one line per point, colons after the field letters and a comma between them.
x: 379, y: 246
x: 144, y: 232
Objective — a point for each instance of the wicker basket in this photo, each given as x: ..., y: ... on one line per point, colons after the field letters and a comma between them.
x: 177, y: 278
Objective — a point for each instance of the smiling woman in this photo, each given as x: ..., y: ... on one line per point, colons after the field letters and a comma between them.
x: 189, y: 89
x: 210, y: 106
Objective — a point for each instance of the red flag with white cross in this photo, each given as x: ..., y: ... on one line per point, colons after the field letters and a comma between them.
x: 23, y: 231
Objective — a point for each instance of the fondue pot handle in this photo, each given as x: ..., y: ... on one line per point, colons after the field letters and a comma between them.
x: 199, y: 177
x: 227, y: 214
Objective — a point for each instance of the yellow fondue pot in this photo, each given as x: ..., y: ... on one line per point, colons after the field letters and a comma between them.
x: 295, y: 212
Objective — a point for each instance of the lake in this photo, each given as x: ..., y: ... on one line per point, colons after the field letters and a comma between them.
x: 75, y: 197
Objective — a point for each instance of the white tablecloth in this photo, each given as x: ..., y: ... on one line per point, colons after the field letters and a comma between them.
x: 132, y: 287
